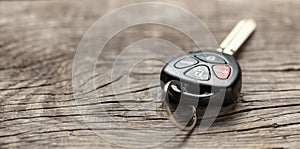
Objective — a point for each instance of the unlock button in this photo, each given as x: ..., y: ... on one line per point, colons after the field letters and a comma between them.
x: 199, y: 73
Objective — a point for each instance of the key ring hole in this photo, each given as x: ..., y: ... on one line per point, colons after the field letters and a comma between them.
x: 177, y: 91
x: 192, y: 122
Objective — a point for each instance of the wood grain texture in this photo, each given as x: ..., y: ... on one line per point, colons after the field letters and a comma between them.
x: 38, y: 40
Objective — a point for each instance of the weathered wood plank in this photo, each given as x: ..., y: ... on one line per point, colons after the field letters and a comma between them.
x: 38, y: 40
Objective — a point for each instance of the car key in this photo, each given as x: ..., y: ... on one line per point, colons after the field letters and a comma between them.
x: 200, y: 71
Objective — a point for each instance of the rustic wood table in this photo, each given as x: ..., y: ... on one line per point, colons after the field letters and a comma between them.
x: 38, y: 40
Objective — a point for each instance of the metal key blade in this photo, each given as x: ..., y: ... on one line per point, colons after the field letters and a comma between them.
x: 237, y: 36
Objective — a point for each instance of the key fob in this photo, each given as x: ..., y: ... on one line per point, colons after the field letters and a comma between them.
x: 204, y: 75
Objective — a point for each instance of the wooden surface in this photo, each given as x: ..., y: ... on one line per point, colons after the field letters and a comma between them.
x: 38, y: 40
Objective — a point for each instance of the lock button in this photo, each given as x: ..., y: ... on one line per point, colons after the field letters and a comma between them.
x: 186, y: 62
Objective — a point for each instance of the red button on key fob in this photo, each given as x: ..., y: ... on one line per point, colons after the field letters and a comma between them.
x: 222, y: 71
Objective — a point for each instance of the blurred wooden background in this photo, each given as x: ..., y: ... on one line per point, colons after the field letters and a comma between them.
x: 38, y: 40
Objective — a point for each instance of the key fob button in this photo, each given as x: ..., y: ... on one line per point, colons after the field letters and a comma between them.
x: 186, y: 62
x: 210, y: 58
x: 199, y: 73
x: 222, y: 71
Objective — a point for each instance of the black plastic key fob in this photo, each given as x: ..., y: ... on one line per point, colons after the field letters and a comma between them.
x: 204, y: 75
